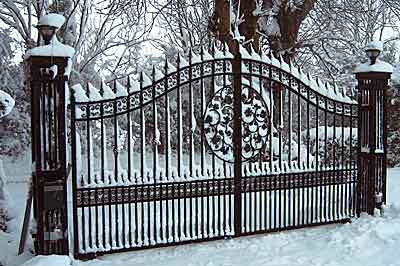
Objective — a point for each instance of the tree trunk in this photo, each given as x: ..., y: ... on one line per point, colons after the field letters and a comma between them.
x: 221, y: 26
x: 248, y: 28
x: 281, y: 25
x: 279, y: 21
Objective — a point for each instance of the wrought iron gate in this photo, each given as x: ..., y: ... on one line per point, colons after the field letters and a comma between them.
x: 214, y: 146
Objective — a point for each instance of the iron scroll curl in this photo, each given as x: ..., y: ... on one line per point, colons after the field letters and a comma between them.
x: 219, y: 127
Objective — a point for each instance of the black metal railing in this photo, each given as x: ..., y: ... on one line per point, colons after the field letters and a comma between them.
x: 214, y: 146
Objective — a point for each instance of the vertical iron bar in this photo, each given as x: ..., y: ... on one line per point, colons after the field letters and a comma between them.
x: 129, y: 137
x: 307, y: 184
x: 167, y: 147
x: 327, y: 206
x: 237, y: 83
x: 342, y: 185
x: 179, y: 139
x: 250, y: 176
x: 103, y: 148
x: 225, y: 175
x: 142, y: 151
x: 191, y: 141
x: 299, y: 213
x: 384, y: 118
x: 51, y: 158
x: 214, y: 172
x: 179, y: 120
x: 185, y: 233
x: 116, y: 137
x: 44, y: 128
x: 74, y: 172
x: 351, y: 190
x: 372, y: 144
x: 203, y: 108
x: 280, y: 177
x: 320, y: 178
x: 335, y: 202
x: 156, y: 139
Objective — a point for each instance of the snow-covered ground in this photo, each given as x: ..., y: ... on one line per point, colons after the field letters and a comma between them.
x: 368, y: 241
x: 9, y: 241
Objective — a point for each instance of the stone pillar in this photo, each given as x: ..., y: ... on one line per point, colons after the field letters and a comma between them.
x: 373, y: 83
x: 49, y: 68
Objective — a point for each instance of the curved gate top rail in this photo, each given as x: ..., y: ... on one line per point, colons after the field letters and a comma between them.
x: 197, y: 67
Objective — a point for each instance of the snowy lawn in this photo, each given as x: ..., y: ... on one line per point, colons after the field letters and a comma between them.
x: 9, y: 241
x: 368, y: 241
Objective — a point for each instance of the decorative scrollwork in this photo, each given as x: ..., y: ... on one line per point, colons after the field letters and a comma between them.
x: 207, y: 68
x: 135, y: 100
x: 172, y: 80
x: 196, y: 71
x: 285, y: 78
x: 219, y: 123
x: 265, y: 70
x: 275, y: 74
x: 256, y: 68
x: 219, y: 67
x: 184, y: 75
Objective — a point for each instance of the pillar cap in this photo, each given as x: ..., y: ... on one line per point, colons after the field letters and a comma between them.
x: 378, y: 67
x: 54, y: 49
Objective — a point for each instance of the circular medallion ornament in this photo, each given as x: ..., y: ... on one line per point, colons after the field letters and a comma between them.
x: 219, y: 124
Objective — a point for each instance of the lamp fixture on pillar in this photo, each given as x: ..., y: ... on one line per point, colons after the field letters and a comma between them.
x: 373, y: 50
x: 47, y: 32
x: 48, y: 26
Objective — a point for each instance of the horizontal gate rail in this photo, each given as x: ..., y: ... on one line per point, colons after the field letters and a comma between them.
x: 90, y: 197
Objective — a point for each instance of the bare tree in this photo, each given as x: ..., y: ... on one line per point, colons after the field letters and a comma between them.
x: 106, y: 34
x: 182, y: 24
x: 270, y: 22
x: 19, y: 15
x: 334, y: 35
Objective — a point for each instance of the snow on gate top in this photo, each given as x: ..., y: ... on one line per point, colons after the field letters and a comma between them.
x: 194, y: 59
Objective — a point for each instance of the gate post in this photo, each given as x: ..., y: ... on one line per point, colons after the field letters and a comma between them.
x: 48, y: 74
x: 373, y: 82
x: 237, y: 137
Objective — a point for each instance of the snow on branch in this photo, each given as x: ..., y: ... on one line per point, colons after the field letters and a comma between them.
x: 6, y: 104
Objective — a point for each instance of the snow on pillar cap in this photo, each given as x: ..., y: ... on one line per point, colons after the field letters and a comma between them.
x: 378, y: 67
x: 53, y: 20
x: 374, y: 45
x: 54, y: 49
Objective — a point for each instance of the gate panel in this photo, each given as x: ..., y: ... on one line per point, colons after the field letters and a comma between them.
x: 147, y: 176
x: 306, y: 172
